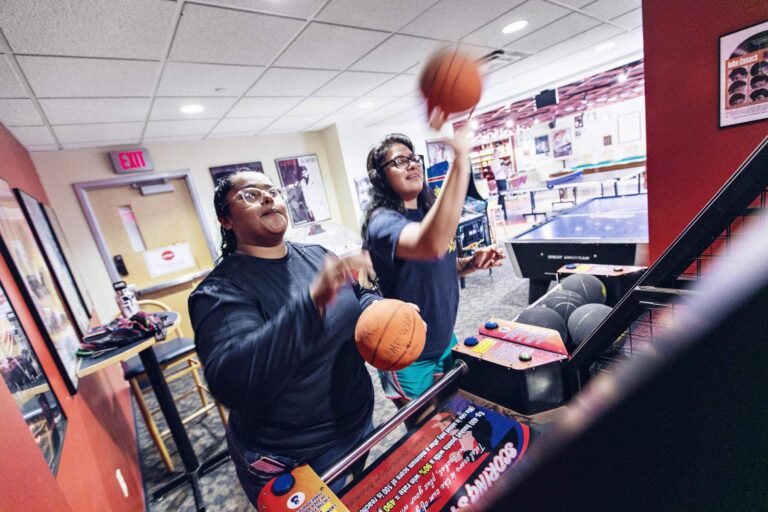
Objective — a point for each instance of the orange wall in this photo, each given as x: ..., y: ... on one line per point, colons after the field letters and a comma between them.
x: 100, y: 435
x: 689, y: 157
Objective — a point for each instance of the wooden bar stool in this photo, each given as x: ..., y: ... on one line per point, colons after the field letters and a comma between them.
x: 178, y: 358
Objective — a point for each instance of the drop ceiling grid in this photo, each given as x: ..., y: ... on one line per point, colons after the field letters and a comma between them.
x: 224, y: 53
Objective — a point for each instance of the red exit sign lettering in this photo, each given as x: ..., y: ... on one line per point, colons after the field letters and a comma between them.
x: 131, y: 160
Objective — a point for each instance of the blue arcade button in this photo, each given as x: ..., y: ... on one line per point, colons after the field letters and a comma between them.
x: 491, y: 325
x: 471, y: 341
x: 283, y: 484
x: 571, y: 266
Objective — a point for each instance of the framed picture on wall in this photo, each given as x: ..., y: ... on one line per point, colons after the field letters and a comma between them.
x: 561, y: 143
x: 629, y: 127
x: 541, y: 144
x: 743, y: 81
x: 28, y: 267
x: 305, y: 193
x: 24, y: 376
x: 54, y: 257
x: 223, y: 171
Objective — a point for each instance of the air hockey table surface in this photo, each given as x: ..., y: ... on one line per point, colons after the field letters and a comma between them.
x: 602, y: 230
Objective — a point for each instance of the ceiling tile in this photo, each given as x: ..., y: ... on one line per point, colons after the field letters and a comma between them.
x: 73, y: 133
x: 302, y: 8
x: 42, y: 147
x: 255, y: 107
x: 591, y: 37
x: 609, y: 9
x: 135, y: 29
x: 179, y: 128
x: 319, y: 106
x: 352, y: 83
x: 19, y: 113
x: 169, y: 108
x: 537, y: 12
x: 403, y: 104
x: 33, y: 135
x: 453, y: 19
x: 356, y: 108
x: 630, y: 20
x: 10, y: 87
x: 242, y: 125
x: 401, y: 85
x: 341, y: 46
x: 576, y: 3
x: 398, y: 53
x: 292, y: 124
x: 290, y: 82
x: 224, y: 36
x: 65, y: 76
x: 553, y: 33
x: 100, y: 144
x: 188, y: 79
x: 389, y: 15
x: 95, y: 110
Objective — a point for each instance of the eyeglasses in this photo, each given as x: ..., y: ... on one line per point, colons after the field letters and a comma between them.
x: 402, y: 161
x: 255, y: 196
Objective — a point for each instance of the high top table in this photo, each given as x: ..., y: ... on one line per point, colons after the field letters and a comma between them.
x: 194, y: 469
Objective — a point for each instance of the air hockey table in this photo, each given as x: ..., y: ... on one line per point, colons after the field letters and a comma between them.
x: 611, y: 230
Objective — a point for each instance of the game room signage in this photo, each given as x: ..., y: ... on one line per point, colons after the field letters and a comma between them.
x: 447, y: 464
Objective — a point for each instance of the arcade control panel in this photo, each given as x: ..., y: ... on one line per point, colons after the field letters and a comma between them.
x: 515, y: 365
x: 618, y: 279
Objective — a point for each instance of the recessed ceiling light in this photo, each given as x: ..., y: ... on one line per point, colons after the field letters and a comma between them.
x: 515, y: 26
x: 366, y: 104
x: 192, y: 109
x: 605, y: 46
x: 637, y: 89
x: 600, y: 100
x: 568, y: 109
x: 510, y: 123
x: 621, y: 78
x: 474, y: 124
x: 535, y: 121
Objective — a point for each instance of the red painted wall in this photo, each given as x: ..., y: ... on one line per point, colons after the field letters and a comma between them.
x: 100, y: 435
x: 689, y: 157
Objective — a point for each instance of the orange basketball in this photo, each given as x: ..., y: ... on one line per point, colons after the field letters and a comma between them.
x: 451, y: 81
x: 390, y: 334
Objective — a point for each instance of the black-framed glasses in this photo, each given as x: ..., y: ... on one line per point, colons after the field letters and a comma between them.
x: 255, y: 196
x: 402, y: 161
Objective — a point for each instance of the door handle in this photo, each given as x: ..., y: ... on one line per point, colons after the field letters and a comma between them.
x: 120, y: 265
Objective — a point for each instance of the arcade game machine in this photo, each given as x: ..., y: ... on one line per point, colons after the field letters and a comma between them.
x: 473, y: 228
x: 499, y: 431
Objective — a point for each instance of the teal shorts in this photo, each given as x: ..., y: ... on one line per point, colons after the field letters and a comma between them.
x: 413, y: 380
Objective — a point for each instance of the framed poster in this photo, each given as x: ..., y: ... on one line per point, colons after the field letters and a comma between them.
x: 305, y: 193
x: 542, y: 144
x: 223, y: 171
x: 54, y: 257
x: 24, y: 376
x: 743, y: 81
x: 561, y: 143
x: 61, y: 241
x: 363, y: 186
x: 438, y: 151
x: 27, y: 264
x: 629, y: 127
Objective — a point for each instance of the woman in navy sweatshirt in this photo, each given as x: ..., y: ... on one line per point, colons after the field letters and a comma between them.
x: 274, y: 326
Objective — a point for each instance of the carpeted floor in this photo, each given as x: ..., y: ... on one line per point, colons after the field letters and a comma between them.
x: 499, y: 294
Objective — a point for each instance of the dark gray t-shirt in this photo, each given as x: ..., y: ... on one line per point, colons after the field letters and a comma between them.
x: 295, y: 382
x: 432, y: 285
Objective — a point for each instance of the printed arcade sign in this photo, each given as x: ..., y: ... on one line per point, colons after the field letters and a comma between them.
x: 445, y: 465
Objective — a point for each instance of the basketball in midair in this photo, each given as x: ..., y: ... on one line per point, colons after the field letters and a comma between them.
x: 451, y: 80
x: 390, y: 334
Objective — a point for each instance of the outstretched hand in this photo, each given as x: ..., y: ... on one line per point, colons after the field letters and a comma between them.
x: 335, y: 273
x: 487, y: 257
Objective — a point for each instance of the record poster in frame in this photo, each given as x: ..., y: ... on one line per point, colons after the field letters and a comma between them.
x: 305, y: 192
x: 28, y: 267
x: 54, y: 257
x: 743, y: 75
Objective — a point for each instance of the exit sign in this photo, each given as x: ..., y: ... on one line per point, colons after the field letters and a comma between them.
x: 131, y: 160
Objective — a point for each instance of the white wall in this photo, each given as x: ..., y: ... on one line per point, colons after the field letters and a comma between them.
x: 58, y: 170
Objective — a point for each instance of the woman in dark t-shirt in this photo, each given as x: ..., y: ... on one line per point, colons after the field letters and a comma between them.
x: 274, y: 327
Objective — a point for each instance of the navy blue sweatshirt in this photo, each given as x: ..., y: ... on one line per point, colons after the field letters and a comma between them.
x: 295, y: 382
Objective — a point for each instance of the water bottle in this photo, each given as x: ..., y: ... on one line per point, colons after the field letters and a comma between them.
x: 126, y: 299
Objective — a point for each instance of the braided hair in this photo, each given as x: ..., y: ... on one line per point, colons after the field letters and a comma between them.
x: 220, y: 204
x: 383, y: 196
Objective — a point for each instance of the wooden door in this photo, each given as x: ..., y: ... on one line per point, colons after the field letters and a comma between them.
x: 150, y: 234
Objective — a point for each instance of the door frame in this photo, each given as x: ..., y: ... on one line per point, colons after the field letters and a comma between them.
x: 82, y: 188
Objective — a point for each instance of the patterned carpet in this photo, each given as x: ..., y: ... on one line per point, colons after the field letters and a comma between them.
x: 499, y: 294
